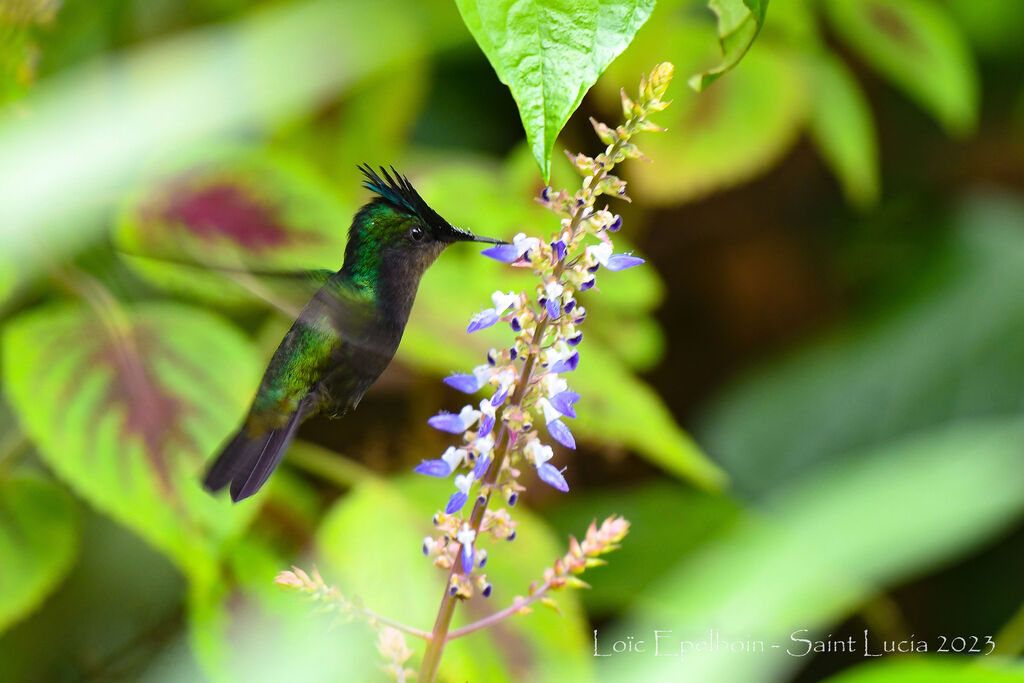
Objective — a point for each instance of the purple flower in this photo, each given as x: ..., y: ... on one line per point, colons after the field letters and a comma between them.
x: 456, y: 502
x: 550, y: 475
x: 567, y: 364
x: 559, y: 247
x: 560, y: 433
x: 564, y: 402
x: 516, y: 327
x: 482, y: 320
x: 433, y: 468
x: 602, y: 253
x: 588, y: 283
x: 615, y: 224
x: 467, y: 537
x: 506, y: 253
x: 509, y: 253
x: 575, y: 339
x: 486, y: 423
x: 617, y: 262
x: 482, y: 463
x: 467, y: 384
x: 455, y: 424
x: 499, y: 397
x: 554, y: 310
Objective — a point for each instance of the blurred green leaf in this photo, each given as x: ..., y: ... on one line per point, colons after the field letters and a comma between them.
x: 393, y: 578
x: 549, y: 53
x: 236, y: 209
x: 841, y: 128
x: 993, y: 26
x: 950, y: 351
x: 126, y: 412
x: 668, y: 522
x: 917, y: 46
x: 115, y: 612
x: 918, y: 669
x: 39, y: 528
x: 829, y: 541
x: 19, y: 53
x: 712, y: 142
x: 253, y: 630
x: 739, y: 22
x: 93, y: 128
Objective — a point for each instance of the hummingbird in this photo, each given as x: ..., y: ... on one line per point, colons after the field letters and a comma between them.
x: 348, y: 332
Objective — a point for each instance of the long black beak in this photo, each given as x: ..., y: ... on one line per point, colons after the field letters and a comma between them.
x: 459, y: 235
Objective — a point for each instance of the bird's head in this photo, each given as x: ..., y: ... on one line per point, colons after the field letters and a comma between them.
x: 399, y: 225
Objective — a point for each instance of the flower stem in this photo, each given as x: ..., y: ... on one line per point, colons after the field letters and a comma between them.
x: 440, y: 635
x: 517, y: 605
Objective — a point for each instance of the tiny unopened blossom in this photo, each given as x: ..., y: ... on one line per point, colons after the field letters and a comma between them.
x: 391, y: 646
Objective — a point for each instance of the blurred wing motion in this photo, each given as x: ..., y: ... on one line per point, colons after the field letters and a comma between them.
x: 327, y: 360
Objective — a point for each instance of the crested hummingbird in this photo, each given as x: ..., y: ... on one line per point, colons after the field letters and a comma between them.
x: 346, y: 334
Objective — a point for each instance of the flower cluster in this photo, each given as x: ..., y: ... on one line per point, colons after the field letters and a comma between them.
x: 529, y: 380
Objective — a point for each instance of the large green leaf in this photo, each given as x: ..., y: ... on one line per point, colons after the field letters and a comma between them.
x: 549, y: 53
x: 739, y: 22
x: 916, y: 45
x: 713, y: 140
x: 828, y: 542
x: 39, y: 527
x: 949, y: 351
x: 393, y: 578
x: 841, y: 127
x: 127, y: 410
x: 233, y: 209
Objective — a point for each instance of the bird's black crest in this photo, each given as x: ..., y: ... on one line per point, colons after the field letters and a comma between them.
x: 399, y: 192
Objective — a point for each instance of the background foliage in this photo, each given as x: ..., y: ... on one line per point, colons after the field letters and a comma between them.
x: 809, y: 403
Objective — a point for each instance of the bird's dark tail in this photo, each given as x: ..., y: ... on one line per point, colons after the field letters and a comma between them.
x: 247, y: 462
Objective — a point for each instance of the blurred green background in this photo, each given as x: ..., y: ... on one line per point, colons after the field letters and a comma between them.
x: 810, y: 402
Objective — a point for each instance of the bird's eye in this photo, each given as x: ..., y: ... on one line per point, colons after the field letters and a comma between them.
x: 417, y: 233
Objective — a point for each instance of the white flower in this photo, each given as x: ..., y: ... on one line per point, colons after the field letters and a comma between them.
x: 468, y: 416
x: 454, y: 457
x: 600, y: 252
x: 524, y: 243
x: 484, y: 445
x: 553, y: 289
x: 553, y: 384
x: 538, y: 452
x: 463, y: 482
x: 466, y: 536
x: 502, y: 302
x: 486, y: 408
x: 550, y: 414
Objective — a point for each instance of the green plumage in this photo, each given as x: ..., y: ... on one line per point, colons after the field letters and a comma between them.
x: 346, y: 335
